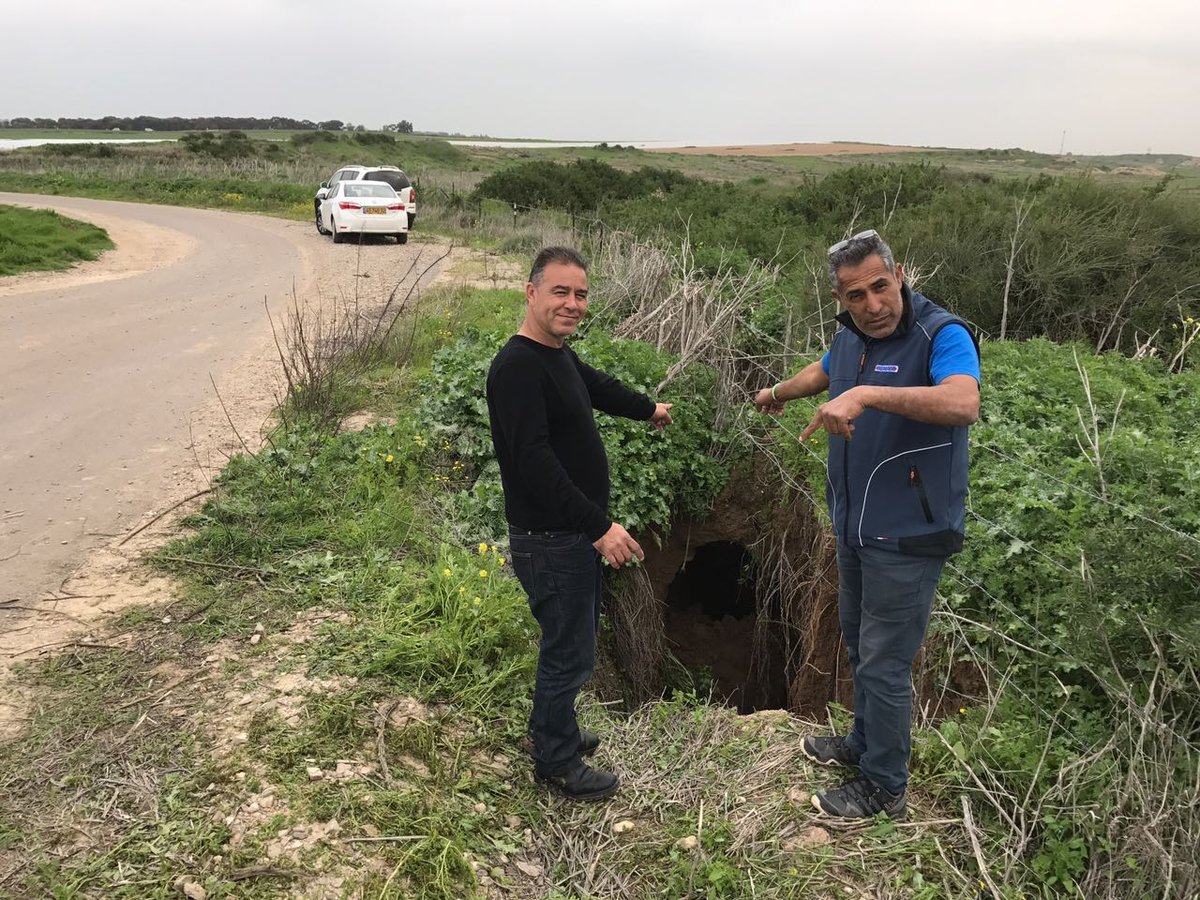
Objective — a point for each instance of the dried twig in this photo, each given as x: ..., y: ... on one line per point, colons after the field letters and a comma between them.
x: 969, y: 824
x: 173, y: 506
x: 386, y: 838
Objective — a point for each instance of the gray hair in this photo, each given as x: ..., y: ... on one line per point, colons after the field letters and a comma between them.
x: 547, y: 255
x: 858, y: 249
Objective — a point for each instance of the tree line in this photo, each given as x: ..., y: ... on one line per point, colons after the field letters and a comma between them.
x: 181, y: 123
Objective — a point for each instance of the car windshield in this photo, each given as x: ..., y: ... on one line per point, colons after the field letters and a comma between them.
x: 369, y: 190
x: 394, y: 177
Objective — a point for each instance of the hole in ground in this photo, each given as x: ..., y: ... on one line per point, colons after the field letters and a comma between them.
x: 710, y: 622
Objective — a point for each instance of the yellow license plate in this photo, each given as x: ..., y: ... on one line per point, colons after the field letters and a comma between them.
x: 374, y: 210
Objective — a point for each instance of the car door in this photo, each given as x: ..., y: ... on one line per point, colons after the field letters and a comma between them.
x: 334, y: 179
x: 330, y: 202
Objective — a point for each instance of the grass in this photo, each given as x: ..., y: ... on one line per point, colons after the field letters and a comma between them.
x: 103, y: 776
x: 408, y: 697
x: 40, y: 240
x: 400, y: 666
x: 278, y: 178
x: 282, y: 170
x: 336, y: 701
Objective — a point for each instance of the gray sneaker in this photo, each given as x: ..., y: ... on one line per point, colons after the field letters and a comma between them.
x: 860, y: 798
x: 829, y: 751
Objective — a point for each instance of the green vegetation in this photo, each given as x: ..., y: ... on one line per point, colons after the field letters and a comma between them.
x: 583, y: 186
x: 654, y: 475
x: 38, y: 239
x: 1057, y: 753
x: 373, y: 532
x: 1012, y: 257
x: 218, y: 170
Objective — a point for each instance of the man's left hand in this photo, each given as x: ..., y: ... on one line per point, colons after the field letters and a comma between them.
x: 662, y: 415
x: 838, y: 415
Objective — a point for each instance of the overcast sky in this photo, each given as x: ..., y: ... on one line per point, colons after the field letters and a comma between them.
x: 1116, y: 77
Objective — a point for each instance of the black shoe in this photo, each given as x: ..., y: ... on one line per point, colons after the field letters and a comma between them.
x: 588, y: 743
x: 582, y: 782
x: 829, y: 751
x: 860, y: 798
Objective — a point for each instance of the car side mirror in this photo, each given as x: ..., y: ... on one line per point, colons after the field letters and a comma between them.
x: 324, y: 184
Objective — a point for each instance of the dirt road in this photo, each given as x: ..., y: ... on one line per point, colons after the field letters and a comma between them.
x: 108, y: 411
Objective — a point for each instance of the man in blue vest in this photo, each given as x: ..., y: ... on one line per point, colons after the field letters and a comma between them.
x: 903, y: 381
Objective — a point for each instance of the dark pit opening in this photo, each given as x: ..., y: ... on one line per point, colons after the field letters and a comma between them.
x: 710, y: 624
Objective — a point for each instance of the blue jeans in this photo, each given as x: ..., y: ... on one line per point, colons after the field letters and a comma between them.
x: 561, y: 573
x: 884, y: 602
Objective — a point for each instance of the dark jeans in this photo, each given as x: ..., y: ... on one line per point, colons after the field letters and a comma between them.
x: 560, y: 572
x: 884, y: 603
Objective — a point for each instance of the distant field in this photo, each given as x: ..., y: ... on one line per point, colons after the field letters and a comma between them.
x: 78, y: 134
x: 835, y: 148
x: 300, y: 159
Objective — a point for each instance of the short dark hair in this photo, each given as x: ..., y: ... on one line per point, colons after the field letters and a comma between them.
x: 858, y: 249
x: 547, y: 255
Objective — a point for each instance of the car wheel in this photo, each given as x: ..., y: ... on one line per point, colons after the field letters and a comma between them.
x: 320, y: 222
x: 412, y: 217
x: 338, y: 237
x: 402, y: 237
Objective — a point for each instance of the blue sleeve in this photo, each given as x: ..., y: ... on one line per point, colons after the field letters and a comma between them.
x: 825, y: 364
x: 953, y: 354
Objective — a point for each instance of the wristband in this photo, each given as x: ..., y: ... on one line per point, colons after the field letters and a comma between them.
x: 773, y: 397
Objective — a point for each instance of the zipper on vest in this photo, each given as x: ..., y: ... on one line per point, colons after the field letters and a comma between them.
x: 862, y: 364
x: 914, y: 480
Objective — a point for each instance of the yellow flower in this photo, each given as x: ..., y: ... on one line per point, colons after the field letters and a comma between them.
x: 446, y: 573
x: 502, y: 560
x: 962, y: 709
x: 462, y: 590
x: 388, y: 458
x: 478, y: 600
x: 483, y: 573
x: 482, y: 548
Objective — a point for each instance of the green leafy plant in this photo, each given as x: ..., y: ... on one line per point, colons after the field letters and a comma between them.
x: 654, y: 474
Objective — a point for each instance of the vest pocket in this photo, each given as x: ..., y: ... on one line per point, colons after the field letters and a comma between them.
x: 914, y: 481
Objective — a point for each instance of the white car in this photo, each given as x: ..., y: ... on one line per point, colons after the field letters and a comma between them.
x: 364, y: 207
x: 388, y: 174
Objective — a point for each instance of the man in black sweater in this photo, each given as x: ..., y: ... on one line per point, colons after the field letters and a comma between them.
x: 555, y: 475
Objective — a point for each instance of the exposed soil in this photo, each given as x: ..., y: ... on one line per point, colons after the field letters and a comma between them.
x: 110, y: 577
x: 140, y: 248
x: 788, y: 653
x: 710, y: 619
x: 106, y: 578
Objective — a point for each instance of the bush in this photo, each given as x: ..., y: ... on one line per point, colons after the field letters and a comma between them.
x: 230, y: 145
x: 374, y: 139
x: 654, y: 474
x: 95, y: 150
x: 585, y: 185
x: 311, y: 138
x: 1090, y: 556
x: 1095, y: 262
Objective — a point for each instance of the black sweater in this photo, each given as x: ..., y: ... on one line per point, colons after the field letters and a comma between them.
x: 552, y: 461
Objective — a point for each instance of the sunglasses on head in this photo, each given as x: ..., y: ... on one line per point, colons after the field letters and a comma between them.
x: 861, y: 236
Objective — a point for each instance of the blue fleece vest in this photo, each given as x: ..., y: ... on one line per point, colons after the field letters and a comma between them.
x: 899, y: 484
